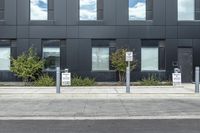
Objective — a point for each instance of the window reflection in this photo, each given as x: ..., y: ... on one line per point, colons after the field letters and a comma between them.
x: 100, y: 59
x: 149, y: 59
x: 137, y: 9
x: 39, y: 9
x: 51, y: 55
x: 5, y: 58
x: 88, y: 9
x: 186, y: 9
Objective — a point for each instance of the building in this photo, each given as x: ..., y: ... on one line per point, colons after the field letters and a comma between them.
x: 81, y: 34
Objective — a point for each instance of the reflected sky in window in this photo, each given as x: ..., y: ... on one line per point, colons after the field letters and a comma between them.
x: 186, y: 9
x: 88, y: 9
x: 39, y: 9
x: 137, y: 9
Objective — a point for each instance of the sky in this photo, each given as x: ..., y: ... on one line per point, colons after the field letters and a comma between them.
x: 186, y: 9
x: 137, y: 9
x: 39, y: 9
x: 88, y: 9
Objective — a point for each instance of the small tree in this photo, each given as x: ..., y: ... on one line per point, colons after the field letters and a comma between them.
x: 118, y: 61
x: 27, y: 66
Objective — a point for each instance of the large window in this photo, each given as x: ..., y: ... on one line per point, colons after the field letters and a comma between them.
x: 100, y: 58
x: 1, y: 9
x: 140, y: 10
x: 149, y: 59
x: 186, y: 9
x: 91, y: 10
x: 4, y: 58
x: 51, y: 54
x: 41, y: 9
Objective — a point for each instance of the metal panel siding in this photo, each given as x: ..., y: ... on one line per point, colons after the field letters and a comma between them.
x: 115, y: 25
x: 60, y: 7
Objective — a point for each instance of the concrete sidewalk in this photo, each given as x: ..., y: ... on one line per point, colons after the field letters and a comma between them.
x: 184, y: 89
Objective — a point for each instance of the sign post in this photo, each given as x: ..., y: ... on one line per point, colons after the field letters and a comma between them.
x: 58, y: 80
x: 129, y: 58
x: 196, y: 79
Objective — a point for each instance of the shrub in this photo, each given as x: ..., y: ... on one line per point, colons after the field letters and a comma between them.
x: 118, y: 61
x: 27, y: 66
x: 79, y: 81
x: 150, y: 81
x: 45, y: 80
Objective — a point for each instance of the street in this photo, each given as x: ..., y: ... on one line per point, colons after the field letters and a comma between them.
x: 101, y: 126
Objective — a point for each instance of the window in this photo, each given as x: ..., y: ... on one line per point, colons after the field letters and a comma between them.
x: 150, y: 59
x: 4, y: 58
x: 186, y: 9
x: 100, y: 58
x: 91, y: 10
x: 2, y: 9
x: 140, y: 10
x: 51, y: 54
x: 41, y: 10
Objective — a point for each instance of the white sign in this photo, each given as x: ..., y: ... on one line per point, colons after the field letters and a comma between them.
x: 66, y: 79
x: 129, y: 56
x: 176, y: 78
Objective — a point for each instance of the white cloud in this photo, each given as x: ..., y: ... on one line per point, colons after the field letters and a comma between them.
x: 138, y: 12
x: 186, y: 9
x: 88, y: 10
x: 38, y: 12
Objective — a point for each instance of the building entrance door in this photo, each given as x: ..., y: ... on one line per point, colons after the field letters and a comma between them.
x: 185, y: 60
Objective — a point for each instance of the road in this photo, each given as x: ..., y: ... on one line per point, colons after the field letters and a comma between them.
x: 101, y: 126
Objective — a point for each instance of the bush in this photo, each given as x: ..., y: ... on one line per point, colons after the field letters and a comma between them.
x: 118, y: 61
x: 79, y: 81
x: 27, y: 66
x: 45, y: 80
x: 150, y: 81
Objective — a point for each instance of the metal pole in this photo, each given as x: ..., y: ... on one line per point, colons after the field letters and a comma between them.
x: 58, y: 80
x: 196, y: 79
x: 128, y: 78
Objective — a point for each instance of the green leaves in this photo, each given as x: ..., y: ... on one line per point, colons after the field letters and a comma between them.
x: 118, y: 61
x: 27, y: 66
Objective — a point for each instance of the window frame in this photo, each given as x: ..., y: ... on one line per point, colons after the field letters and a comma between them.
x: 97, y: 21
x: 146, y: 20
x: 48, y: 11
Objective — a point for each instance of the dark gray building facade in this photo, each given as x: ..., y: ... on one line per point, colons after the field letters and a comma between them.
x: 160, y: 38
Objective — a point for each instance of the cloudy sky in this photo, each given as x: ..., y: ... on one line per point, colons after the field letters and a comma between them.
x: 186, y: 9
x: 88, y: 9
x: 39, y: 10
x: 137, y: 9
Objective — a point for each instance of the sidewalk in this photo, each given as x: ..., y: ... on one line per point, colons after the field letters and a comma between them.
x: 184, y: 89
x: 103, y: 102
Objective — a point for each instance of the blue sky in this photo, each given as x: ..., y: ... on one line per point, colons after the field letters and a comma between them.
x: 132, y: 3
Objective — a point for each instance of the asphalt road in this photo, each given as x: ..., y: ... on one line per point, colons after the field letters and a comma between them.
x: 101, y: 126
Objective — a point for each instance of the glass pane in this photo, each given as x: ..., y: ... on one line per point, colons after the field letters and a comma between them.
x: 4, y: 58
x: 186, y: 9
x: 100, y: 58
x: 88, y: 9
x: 149, y: 58
x: 137, y: 9
x: 39, y: 9
x: 52, y: 57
